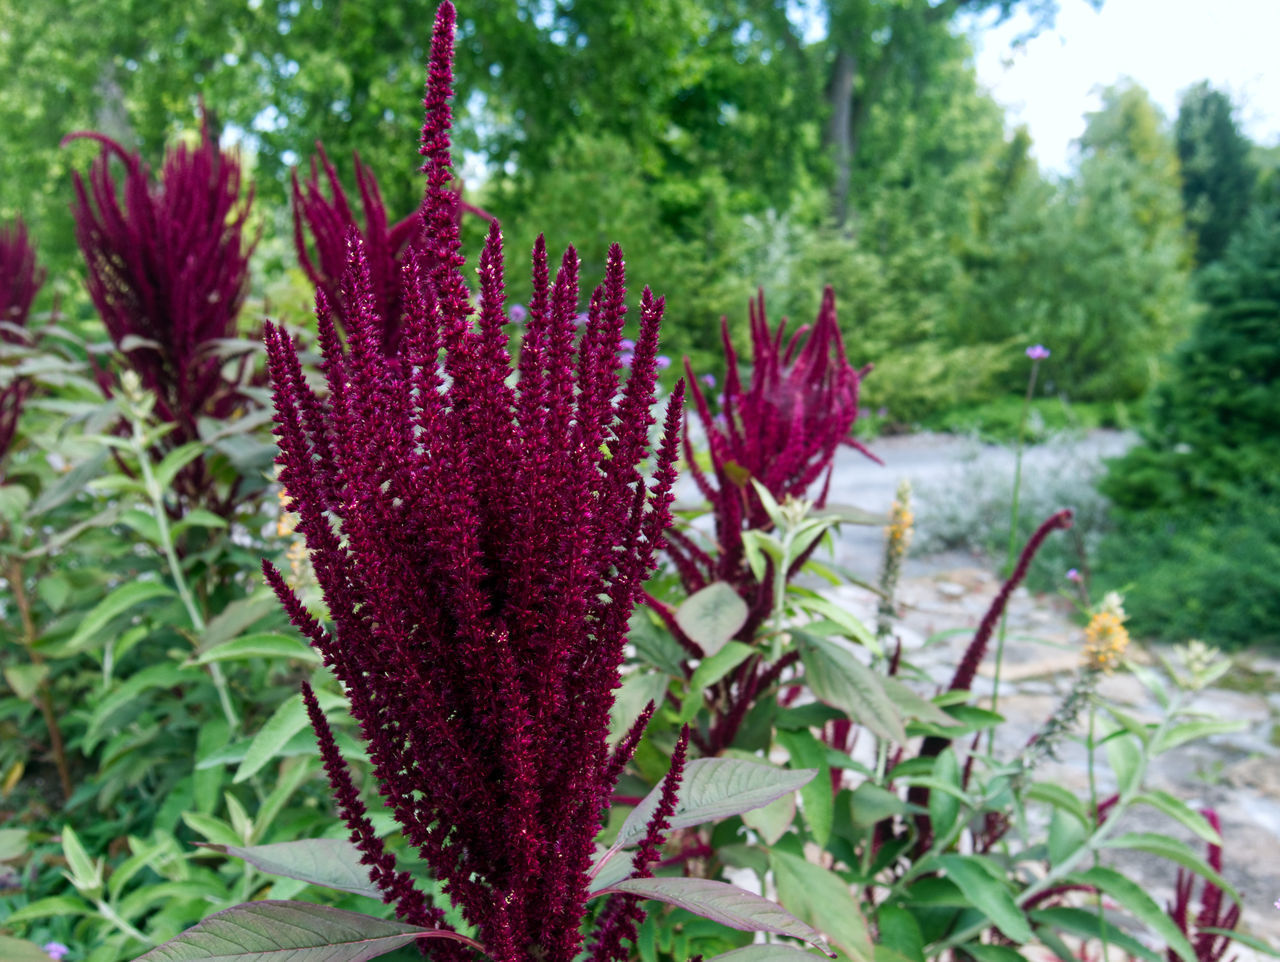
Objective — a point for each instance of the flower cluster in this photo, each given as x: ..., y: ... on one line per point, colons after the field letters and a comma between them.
x: 480, y: 543
x: 1106, y: 637
x: 20, y: 279
x: 331, y: 224
x: 168, y: 273
x: 782, y: 429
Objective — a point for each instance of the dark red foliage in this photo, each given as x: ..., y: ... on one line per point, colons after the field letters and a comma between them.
x: 480, y: 544
x: 20, y: 279
x: 168, y: 271
x: 331, y: 223
x: 1215, y: 912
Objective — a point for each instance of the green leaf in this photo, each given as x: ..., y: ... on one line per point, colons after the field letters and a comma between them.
x: 214, y: 829
x: 1174, y: 851
x: 987, y: 893
x: 871, y: 804
x: 764, y: 953
x: 198, y: 518
x: 333, y: 863
x: 302, y: 932
x: 86, y: 875
x: 1066, y: 835
x: 712, y: 616
x: 25, y: 680
x: 1124, y: 755
x: 630, y: 700
x: 816, y: 797
x: 848, y: 624
x: 837, y: 678
x: 285, y: 722
x: 13, y: 843
x: 824, y: 900
x: 710, y: 671
x: 125, y: 695
x: 1244, y: 938
x: 1180, y: 812
x: 1086, y: 924
x: 175, y: 461
x: 70, y: 484
x: 1059, y: 797
x: 119, y: 601
x: 944, y: 806
x: 235, y: 618
x: 14, y: 499
x: 20, y: 950
x: 1134, y: 899
x: 55, y: 906
x: 914, y: 705
x: 1177, y: 735
x: 142, y: 522
x: 714, y: 788
x: 655, y: 645
x: 899, y: 930
x: 54, y: 590
x: 771, y: 821
x: 992, y: 953
x: 262, y: 645
x: 723, y: 903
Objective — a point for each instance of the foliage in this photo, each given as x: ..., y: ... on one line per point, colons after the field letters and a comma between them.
x: 1218, y: 174
x: 996, y: 421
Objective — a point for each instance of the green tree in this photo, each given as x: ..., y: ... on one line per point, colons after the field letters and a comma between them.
x: 1218, y: 174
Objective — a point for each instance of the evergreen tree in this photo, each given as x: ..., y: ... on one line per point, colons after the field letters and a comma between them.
x: 1218, y: 175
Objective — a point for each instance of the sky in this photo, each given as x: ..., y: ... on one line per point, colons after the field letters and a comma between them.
x: 1053, y: 80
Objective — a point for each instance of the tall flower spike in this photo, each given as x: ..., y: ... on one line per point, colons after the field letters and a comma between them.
x: 168, y: 273
x: 1209, y: 945
x: 330, y: 220
x: 20, y: 279
x: 479, y: 559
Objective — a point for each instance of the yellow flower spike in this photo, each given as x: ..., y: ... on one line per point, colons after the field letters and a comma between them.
x: 1106, y: 639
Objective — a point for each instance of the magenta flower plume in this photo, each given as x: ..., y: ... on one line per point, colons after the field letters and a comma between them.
x: 782, y: 430
x: 480, y: 543
x: 20, y: 280
x: 331, y: 222
x: 168, y: 273
x: 1215, y: 912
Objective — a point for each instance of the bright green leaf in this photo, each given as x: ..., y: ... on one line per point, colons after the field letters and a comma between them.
x: 824, y: 900
x: 115, y: 604
x: 990, y: 895
x: 712, y: 616
x: 842, y: 681
x: 1134, y: 899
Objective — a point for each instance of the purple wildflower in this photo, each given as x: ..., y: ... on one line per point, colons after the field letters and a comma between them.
x: 517, y: 313
x: 662, y: 361
x: 707, y: 380
x: 1037, y: 352
x: 20, y: 279
x: 582, y: 318
x: 627, y: 344
x: 1073, y: 575
x: 331, y: 224
x: 480, y: 546
x: 168, y: 273
x: 56, y: 950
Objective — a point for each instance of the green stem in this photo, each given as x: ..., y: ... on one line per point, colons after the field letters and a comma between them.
x: 1093, y: 807
x: 112, y: 916
x: 156, y: 497
x: 1011, y: 555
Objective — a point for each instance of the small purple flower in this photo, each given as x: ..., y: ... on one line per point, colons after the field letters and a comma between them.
x: 709, y: 380
x: 882, y: 411
x: 662, y: 362
x: 1074, y: 575
x: 55, y: 950
x: 626, y: 357
x: 581, y: 318
x: 518, y: 313
x: 1037, y: 352
x: 627, y: 344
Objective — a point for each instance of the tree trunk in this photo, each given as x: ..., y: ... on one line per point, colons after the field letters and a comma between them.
x: 840, y: 132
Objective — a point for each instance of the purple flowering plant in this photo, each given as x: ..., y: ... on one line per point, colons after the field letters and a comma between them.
x: 480, y: 546
x: 20, y: 280
x: 168, y: 273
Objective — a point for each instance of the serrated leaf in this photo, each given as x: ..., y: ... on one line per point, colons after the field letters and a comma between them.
x: 837, y: 678
x: 714, y: 788
x: 285, y: 722
x: 1180, y: 812
x: 333, y: 863
x: 264, y: 931
x: 119, y: 601
x: 1134, y: 899
x: 723, y: 903
x: 20, y: 950
x: 1174, y: 851
x: 263, y: 645
x: 824, y: 900
x: 712, y: 616
x: 988, y: 894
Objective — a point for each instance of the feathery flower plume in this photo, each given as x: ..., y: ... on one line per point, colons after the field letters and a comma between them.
x: 480, y: 545
x: 330, y: 221
x: 1215, y: 913
x: 20, y: 280
x: 168, y: 273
